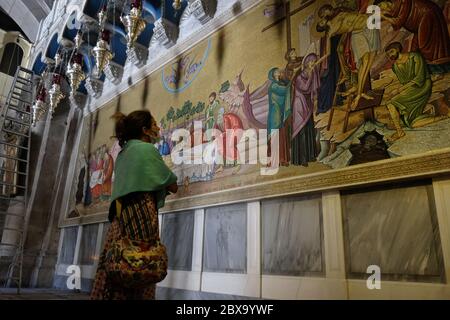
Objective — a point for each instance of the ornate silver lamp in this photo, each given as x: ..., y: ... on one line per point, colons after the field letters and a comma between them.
x: 39, y: 107
x: 133, y: 22
x: 55, y: 92
x: 102, y: 52
x: 58, y: 59
x: 75, y: 72
x: 176, y: 4
x: 78, y: 40
x: 102, y: 17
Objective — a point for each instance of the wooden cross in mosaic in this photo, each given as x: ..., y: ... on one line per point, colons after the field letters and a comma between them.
x: 287, y: 16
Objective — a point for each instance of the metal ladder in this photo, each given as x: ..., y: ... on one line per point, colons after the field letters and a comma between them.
x: 15, y: 139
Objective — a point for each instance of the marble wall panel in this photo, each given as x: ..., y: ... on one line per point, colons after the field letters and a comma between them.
x: 177, y: 235
x: 292, y: 236
x: 395, y: 228
x: 225, y: 243
x: 88, y: 244
x: 68, y: 246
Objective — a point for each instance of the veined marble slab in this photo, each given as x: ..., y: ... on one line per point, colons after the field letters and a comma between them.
x: 88, y: 244
x: 225, y: 244
x: 68, y: 246
x: 395, y: 229
x: 177, y: 235
x: 292, y: 236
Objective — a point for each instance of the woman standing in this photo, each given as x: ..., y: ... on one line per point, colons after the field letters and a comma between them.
x: 142, y: 181
x: 306, y: 87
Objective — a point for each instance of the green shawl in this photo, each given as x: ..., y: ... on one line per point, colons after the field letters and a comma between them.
x: 140, y: 167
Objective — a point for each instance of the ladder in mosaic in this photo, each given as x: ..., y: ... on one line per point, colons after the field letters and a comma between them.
x: 15, y: 139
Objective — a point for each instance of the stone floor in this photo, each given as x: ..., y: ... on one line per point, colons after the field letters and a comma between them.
x: 41, y: 294
x: 161, y: 294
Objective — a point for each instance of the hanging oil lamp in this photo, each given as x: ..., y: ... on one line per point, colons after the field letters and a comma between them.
x: 55, y: 92
x: 58, y: 59
x: 75, y: 72
x: 39, y: 107
x: 102, y: 17
x: 102, y: 52
x: 176, y: 4
x: 133, y: 22
x: 44, y: 77
x: 78, y: 40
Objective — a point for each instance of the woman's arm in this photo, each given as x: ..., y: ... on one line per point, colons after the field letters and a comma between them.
x: 154, y: 167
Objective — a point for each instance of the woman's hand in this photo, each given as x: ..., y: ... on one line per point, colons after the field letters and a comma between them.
x: 173, y: 188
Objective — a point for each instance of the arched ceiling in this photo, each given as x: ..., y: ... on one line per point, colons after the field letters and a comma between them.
x: 27, y: 14
x: 8, y: 24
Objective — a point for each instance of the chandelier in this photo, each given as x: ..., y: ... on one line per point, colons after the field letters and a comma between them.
x: 102, y: 52
x: 134, y: 23
x: 39, y: 107
x: 75, y: 72
x: 55, y: 92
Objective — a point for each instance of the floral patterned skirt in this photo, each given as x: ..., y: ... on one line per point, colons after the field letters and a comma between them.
x: 138, y: 220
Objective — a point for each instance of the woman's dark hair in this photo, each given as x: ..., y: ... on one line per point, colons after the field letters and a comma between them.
x: 394, y: 45
x: 130, y: 126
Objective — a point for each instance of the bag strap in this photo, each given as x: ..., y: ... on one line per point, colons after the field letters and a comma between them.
x: 118, y: 208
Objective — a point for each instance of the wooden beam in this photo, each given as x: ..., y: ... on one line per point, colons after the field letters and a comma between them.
x: 303, y: 6
x: 287, y: 6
